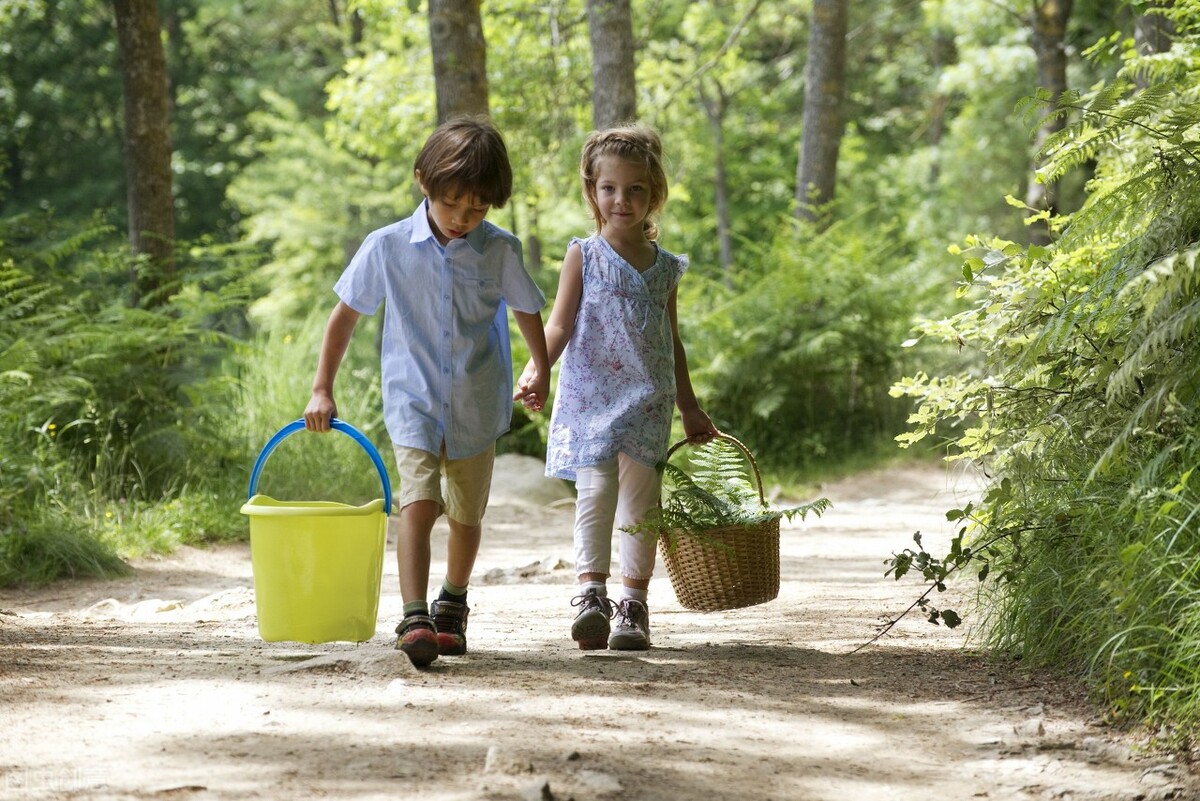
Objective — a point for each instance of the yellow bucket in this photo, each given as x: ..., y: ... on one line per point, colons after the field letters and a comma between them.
x: 317, y: 564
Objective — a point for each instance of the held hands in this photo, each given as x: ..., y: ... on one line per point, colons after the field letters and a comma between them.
x: 320, y: 410
x: 532, y: 388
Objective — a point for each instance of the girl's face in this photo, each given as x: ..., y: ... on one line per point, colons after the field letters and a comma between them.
x: 622, y: 193
x: 454, y: 216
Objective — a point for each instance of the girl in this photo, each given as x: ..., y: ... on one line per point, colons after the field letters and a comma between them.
x: 614, y: 323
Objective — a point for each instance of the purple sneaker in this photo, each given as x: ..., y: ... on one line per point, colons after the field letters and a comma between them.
x: 590, y: 628
x: 632, y: 632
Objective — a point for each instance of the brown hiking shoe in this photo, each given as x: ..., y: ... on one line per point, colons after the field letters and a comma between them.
x: 450, y: 620
x: 417, y: 638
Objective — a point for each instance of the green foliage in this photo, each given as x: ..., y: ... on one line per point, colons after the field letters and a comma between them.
x: 102, y: 403
x: 310, y: 204
x: 49, y: 543
x: 60, y: 95
x: 797, y: 356
x: 226, y: 58
x: 716, y: 493
x: 1082, y: 404
x: 276, y: 371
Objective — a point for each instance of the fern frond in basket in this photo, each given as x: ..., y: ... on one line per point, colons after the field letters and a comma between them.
x: 717, y: 494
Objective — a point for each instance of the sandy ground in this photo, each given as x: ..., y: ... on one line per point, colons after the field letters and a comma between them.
x: 158, y: 686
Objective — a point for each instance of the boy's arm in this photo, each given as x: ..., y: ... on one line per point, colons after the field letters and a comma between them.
x: 696, y: 423
x: 321, y: 406
x: 534, y: 385
x: 558, y: 329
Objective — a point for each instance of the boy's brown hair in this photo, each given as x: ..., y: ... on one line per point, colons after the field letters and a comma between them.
x: 466, y: 155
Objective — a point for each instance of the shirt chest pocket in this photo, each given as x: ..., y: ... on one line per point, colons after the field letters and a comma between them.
x: 476, y: 297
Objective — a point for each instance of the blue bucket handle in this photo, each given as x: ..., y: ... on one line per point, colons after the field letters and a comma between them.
x: 336, y: 425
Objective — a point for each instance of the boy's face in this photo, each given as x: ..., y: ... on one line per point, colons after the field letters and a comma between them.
x: 455, y: 214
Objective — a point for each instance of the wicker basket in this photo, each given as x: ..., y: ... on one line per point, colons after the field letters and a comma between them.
x: 724, y: 568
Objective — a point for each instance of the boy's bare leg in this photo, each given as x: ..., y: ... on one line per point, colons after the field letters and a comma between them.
x: 461, y: 550
x: 412, y: 548
x: 450, y: 609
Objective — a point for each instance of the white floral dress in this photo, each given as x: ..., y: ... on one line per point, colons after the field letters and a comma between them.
x: 616, y: 385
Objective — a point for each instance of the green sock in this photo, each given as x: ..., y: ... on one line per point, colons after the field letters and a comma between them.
x: 453, y: 592
x: 416, y: 608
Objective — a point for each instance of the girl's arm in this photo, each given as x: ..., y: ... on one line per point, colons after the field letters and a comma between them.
x: 561, y: 324
x: 696, y: 424
x: 321, y: 406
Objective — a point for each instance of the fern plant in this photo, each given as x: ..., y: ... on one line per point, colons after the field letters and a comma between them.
x: 1083, y: 404
x: 717, y: 493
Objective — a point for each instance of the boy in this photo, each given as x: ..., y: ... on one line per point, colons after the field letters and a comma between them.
x: 447, y: 276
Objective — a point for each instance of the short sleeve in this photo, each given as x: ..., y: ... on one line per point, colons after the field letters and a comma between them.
x: 362, y: 286
x: 520, y: 291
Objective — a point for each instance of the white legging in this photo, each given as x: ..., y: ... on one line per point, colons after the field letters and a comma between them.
x: 619, y: 491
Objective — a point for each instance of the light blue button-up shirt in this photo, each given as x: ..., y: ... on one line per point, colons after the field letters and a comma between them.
x: 447, y: 365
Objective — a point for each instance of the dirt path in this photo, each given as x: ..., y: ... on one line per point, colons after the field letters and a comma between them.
x: 157, y: 686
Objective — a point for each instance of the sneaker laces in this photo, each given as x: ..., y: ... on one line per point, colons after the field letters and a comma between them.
x: 625, y: 613
x: 594, y: 600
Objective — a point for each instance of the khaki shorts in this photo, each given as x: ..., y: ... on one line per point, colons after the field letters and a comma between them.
x: 459, y: 486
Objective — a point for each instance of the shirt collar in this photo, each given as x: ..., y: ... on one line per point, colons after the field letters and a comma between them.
x: 422, y: 230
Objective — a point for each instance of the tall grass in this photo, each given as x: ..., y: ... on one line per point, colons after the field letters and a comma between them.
x: 275, y: 373
x: 1151, y: 659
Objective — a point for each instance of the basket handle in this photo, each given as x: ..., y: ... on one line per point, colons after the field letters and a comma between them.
x: 336, y: 425
x: 762, y: 498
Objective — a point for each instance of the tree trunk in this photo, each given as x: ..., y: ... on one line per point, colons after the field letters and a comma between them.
x: 1152, y: 34
x: 532, y: 241
x: 944, y: 52
x: 614, y: 86
x: 714, y: 110
x: 1049, y: 25
x: 147, y: 141
x: 824, y: 89
x: 459, y: 58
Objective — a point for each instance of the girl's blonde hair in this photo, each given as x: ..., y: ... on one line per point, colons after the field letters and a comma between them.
x: 636, y: 143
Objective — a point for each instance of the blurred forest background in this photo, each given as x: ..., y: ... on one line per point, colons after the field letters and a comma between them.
x: 967, y: 224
